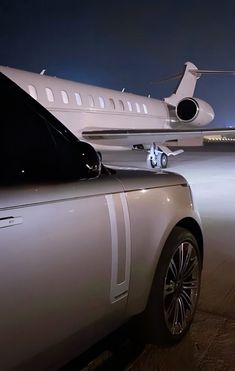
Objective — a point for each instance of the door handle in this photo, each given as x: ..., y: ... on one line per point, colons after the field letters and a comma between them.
x: 10, y: 221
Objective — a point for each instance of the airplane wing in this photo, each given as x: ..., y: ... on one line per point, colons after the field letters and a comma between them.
x: 130, y: 137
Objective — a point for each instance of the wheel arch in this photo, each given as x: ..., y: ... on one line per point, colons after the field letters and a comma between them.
x: 187, y: 223
x: 192, y: 226
x: 195, y: 229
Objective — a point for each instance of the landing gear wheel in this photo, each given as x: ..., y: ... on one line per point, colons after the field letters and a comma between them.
x: 162, y: 160
x: 153, y: 162
x: 174, y: 294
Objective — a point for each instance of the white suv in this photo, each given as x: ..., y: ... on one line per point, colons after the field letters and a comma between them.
x: 84, y: 248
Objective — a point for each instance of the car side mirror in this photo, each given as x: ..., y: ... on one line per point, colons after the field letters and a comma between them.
x: 89, y: 160
x: 78, y: 160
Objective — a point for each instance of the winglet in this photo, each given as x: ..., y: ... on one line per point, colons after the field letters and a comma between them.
x: 186, y: 85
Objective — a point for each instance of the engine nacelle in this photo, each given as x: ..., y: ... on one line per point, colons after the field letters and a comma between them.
x: 194, y: 111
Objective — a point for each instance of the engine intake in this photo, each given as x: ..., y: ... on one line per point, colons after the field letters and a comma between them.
x: 194, y: 111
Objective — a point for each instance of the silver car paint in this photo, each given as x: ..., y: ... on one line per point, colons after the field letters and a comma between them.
x: 81, y: 257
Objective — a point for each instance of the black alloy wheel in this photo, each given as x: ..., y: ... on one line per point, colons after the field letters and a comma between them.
x: 175, y: 291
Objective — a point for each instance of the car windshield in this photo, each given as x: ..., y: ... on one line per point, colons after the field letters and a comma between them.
x: 12, y: 95
x: 34, y: 144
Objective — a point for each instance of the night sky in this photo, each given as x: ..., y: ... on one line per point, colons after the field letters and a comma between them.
x: 125, y: 43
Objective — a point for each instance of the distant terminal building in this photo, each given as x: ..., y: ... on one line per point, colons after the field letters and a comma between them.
x: 200, y: 141
x: 220, y: 138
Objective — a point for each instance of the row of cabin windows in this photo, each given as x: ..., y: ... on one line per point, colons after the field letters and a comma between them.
x: 78, y: 98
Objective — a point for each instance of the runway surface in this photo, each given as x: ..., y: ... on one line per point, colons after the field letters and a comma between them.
x: 210, y: 344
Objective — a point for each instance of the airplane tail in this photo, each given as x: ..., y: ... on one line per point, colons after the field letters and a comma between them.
x: 186, y: 85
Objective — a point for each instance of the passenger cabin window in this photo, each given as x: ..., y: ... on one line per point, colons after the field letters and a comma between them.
x: 50, y: 95
x: 145, y: 108
x: 91, y: 101
x: 78, y: 99
x: 112, y: 103
x: 121, y: 105
x: 64, y: 96
x: 129, y: 106
x: 101, y: 101
x: 33, y: 91
x: 137, y: 107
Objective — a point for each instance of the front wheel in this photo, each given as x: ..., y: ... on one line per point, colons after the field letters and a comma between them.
x: 153, y: 163
x: 174, y: 294
x: 163, y: 161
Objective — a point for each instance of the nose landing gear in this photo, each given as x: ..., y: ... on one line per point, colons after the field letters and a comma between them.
x: 157, y: 158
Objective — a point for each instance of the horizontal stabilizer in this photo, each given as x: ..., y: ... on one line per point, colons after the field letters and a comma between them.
x: 198, y: 73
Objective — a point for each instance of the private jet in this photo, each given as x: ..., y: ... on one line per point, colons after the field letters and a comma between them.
x: 105, y: 117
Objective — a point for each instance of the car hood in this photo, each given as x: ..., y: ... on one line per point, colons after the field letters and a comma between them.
x: 133, y: 179
x: 118, y: 181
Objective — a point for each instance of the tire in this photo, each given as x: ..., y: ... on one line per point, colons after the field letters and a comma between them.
x: 163, y: 161
x: 175, y: 290
x: 100, y: 156
x: 153, y: 163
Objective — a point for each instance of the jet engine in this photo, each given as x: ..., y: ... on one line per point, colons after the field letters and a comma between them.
x: 194, y: 111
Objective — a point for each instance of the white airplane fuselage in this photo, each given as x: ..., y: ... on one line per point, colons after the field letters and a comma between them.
x: 81, y: 106
x: 106, y: 117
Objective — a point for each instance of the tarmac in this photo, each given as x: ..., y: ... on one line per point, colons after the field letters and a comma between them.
x: 210, y: 344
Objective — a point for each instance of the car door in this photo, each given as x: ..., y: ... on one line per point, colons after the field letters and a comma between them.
x: 63, y: 265
x: 64, y: 248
